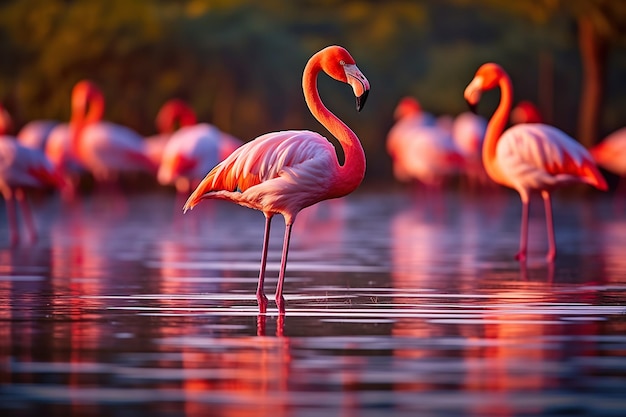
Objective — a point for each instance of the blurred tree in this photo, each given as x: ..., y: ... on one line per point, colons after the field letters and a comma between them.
x: 600, y: 23
x: 239, y: 62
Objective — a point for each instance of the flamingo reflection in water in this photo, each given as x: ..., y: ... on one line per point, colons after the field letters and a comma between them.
x: 529, y: 157
x: 284, y: 172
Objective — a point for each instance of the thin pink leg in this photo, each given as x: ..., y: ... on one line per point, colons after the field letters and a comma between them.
x: 523, y: 241
x: 260, y: 292
x: 14, y: 235
x: 550, y: 225
x: 280, y: 301
x: 27, y: 214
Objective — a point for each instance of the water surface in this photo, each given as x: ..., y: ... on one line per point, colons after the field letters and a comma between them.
x: 397, y: 305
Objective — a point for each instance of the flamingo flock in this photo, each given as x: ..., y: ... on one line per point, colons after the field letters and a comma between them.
x: 286, y: 171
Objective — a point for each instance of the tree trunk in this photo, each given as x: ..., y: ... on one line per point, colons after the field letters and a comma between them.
x: 593, y: 52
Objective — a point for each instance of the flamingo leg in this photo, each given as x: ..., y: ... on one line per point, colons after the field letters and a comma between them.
x: 280, y: 301
x: 523, y: 241
x: 27, y: 214
x: 260, y: 292
x: 11, y: 216
x: 550, y: 225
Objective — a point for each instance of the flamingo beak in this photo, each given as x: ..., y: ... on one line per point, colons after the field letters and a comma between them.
x: 359, y: 84
x: 473, y: 92
x: 360, y: 101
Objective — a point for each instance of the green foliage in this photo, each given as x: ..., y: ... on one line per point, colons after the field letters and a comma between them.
x: 239, y: 63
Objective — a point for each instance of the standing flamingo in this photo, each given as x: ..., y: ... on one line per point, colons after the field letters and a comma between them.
x: 20, y: 168
x: 191, y: 152
x: 284, y: 172
x: 419, y: 148
x: 105, y: 149
x: 172, y: 115
x: 529, y: 156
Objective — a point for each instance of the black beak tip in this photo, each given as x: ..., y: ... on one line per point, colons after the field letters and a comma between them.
x: 472, y: 107
x: 360, y: 101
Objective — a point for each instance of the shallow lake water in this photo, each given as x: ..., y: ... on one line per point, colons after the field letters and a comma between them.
x: 398, y: 304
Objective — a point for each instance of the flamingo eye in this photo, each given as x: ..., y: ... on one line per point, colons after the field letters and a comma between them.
x: 342, y: 62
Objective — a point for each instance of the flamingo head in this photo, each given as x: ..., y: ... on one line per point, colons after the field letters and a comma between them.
x: 172, y: 112
x: 525, y: 112
x: 339, y: 64
x: 6, y: 124
x: 407, y: 107
x: 487, y: 77
x: 87, y: 102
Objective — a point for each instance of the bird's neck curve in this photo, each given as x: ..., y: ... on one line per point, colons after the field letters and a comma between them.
x: 496, y: 126
x: 86, y: 110
x: 352, y: 171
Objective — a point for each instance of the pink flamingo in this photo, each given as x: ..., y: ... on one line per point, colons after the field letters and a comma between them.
x: 35, y: 134
x: 191, y: 152
x: 529, y: 157
x: 284, y: 172
x: 419, y: 149
x: 468, y: 132
x: 103, y: 148
x: 20, y: 168
x: 172, y: 115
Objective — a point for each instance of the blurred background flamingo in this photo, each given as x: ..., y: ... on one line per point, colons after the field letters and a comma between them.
x: 173, y: 114
x: 420, y: 149
x: 468, y: 131
x: 191, y: 152
x: 21, y: 168
x: 529, y: 157
x: 105, y: 149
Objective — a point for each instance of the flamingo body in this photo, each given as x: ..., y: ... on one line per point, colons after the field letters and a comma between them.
x: 284, y: 172
x: 277, y: 173
x: 529, y: 156
x: 541, y: 157
x: 107, y: 149
x: 22, y: 167
x: 424, y: 153
x: 191, y: 152
x: 35, y: 134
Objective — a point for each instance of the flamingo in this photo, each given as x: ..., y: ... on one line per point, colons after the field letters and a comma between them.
x: 468, y: 131
x: 191, y: 152
x: 419, y: 148
x: 35, y: 134
x: 174, y: 113
x: 284, y: 172
x: 21, y: 167
x: 529, y: 157
x: 103, y: 148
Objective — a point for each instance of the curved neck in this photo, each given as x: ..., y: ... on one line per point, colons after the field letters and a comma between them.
x: 353, y: 169
x: 86, y: 109
x: 496, y: 125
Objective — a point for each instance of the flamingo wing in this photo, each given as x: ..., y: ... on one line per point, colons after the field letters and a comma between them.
x: 611, y: 152
x: 538, y: 156
x: 277, y: 172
